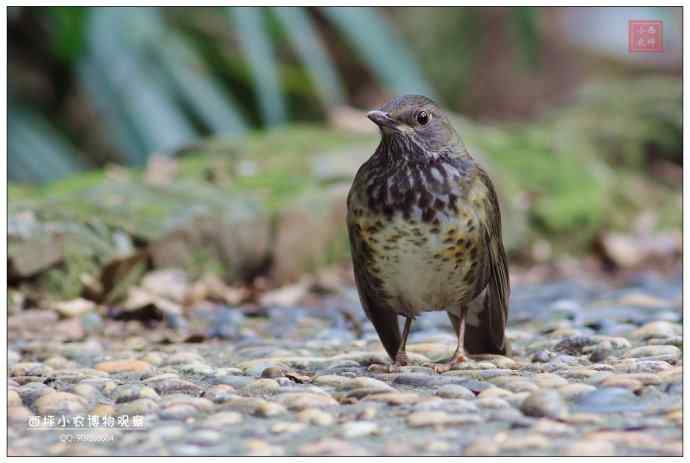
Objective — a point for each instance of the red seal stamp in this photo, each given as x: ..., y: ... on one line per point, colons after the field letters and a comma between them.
x: 645, y: 36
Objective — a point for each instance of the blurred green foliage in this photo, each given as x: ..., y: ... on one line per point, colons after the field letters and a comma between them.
x: 158, y: 79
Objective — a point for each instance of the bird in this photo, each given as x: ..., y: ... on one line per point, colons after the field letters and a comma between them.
x: 424, y: 226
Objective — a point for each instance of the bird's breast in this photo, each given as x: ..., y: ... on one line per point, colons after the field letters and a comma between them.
x: 425, y: 255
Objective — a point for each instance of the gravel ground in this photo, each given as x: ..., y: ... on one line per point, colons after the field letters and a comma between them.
x: 596, y: 370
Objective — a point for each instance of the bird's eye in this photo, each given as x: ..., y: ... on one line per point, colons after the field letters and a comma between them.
x: 423, y: 117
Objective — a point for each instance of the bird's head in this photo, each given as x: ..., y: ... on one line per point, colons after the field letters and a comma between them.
x: 416, y: 120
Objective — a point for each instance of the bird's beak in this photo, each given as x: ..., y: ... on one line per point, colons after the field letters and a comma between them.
x: 381, y: 119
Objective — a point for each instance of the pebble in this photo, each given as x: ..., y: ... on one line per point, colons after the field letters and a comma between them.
x: 13, y: 399
x: 169, y: 385
x: 544, y: 403
x: 357, y: 429
x: 130, y: 392
x: 121, y: 366
x: 282, y: 427
x: 493, y: 402
x: 665, y: 353
x: 574, y: 390
x: 170, y: 432
x: 60, y: 403
x: 541, y: 356
x: 656, y: 329
x: 455, y: 391
x: 261, y: 386
x: 300, y: 401
x: 222, y: 419
x: 31, y: 369
x: 330, y: 447
x: 178, y: 412
x: 220, y: 393
x: 273, y: 372
x: 439, y: 419
x: 586, y: 378
x: 315, y: 417
x: 331, y: 380
x: 590, y: 448
x: 138, y: 407
x: 549, y: 380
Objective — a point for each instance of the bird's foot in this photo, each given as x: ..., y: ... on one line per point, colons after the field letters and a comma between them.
x: 381, y: 368
x: 449, y: 365
x: 400, y: 361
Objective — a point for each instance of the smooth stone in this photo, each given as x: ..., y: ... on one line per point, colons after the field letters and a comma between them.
x: 178, y: 412
x: 122, y: 366
x: 544, y: 403
x: 494, y: 392
x: 235, y: 381
x: 31, y: 369
x: 13, y: 399
x: 552, y: 428
x: 261, y: 386
x: 330, y: 447
x: 60, y: 403
x: 541, y: 356
x: 396, y: 398
x: 493, y: 402
x: 657, y: 329
x: 205, y: 437
x: 168, y: 432
x: 58, y: 362
x: 300, y: 401
x: 182, y: 358
x: 666, y: 353
x: 574, y: 344
x: 314, y: 416
x: 129, y: 392
x: 166, y: 386
x: 439, y: 419
x: 549, y: 380
x: 105, y: 410
x: 268, y: 409
x: 356, y: 429
x: 154, y: 358
x: 31, y: 392
x: 195, y: 368
x: 273, y: 372
x: 364, y: 382
x: 609, y: 400
x: 222, y: 419
x: 590, y: 448
x: 331, y: 380
x: 138, y: 407
x: 448, y: 405
x: 18, y: 413
x: 199, y: 403
x: 282, y: 427
x: 219, y: 393
x: 421, y: 380
x: 575, y: 390
x: 455, y: 391
x: 526, y: 442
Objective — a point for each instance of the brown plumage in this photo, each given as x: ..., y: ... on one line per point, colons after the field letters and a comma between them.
x: 425, y: 233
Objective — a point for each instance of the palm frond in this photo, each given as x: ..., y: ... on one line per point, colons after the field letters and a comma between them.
x: 258, y: 51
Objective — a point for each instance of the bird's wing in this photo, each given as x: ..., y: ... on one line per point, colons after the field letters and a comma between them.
x: 494, y: 315
x: 382, y: 317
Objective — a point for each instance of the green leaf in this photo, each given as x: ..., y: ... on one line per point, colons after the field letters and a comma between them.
x: 380, y: 48
x: 310, y: 49
x: 258, y: 51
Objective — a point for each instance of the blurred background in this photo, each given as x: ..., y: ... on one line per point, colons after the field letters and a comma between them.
x: 142, y: 120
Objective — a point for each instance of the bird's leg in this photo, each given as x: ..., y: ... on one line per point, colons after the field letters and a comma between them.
x: 401, y: 356
x: 459, y: 354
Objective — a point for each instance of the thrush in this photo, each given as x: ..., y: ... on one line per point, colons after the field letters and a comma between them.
x: 425, y: 233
